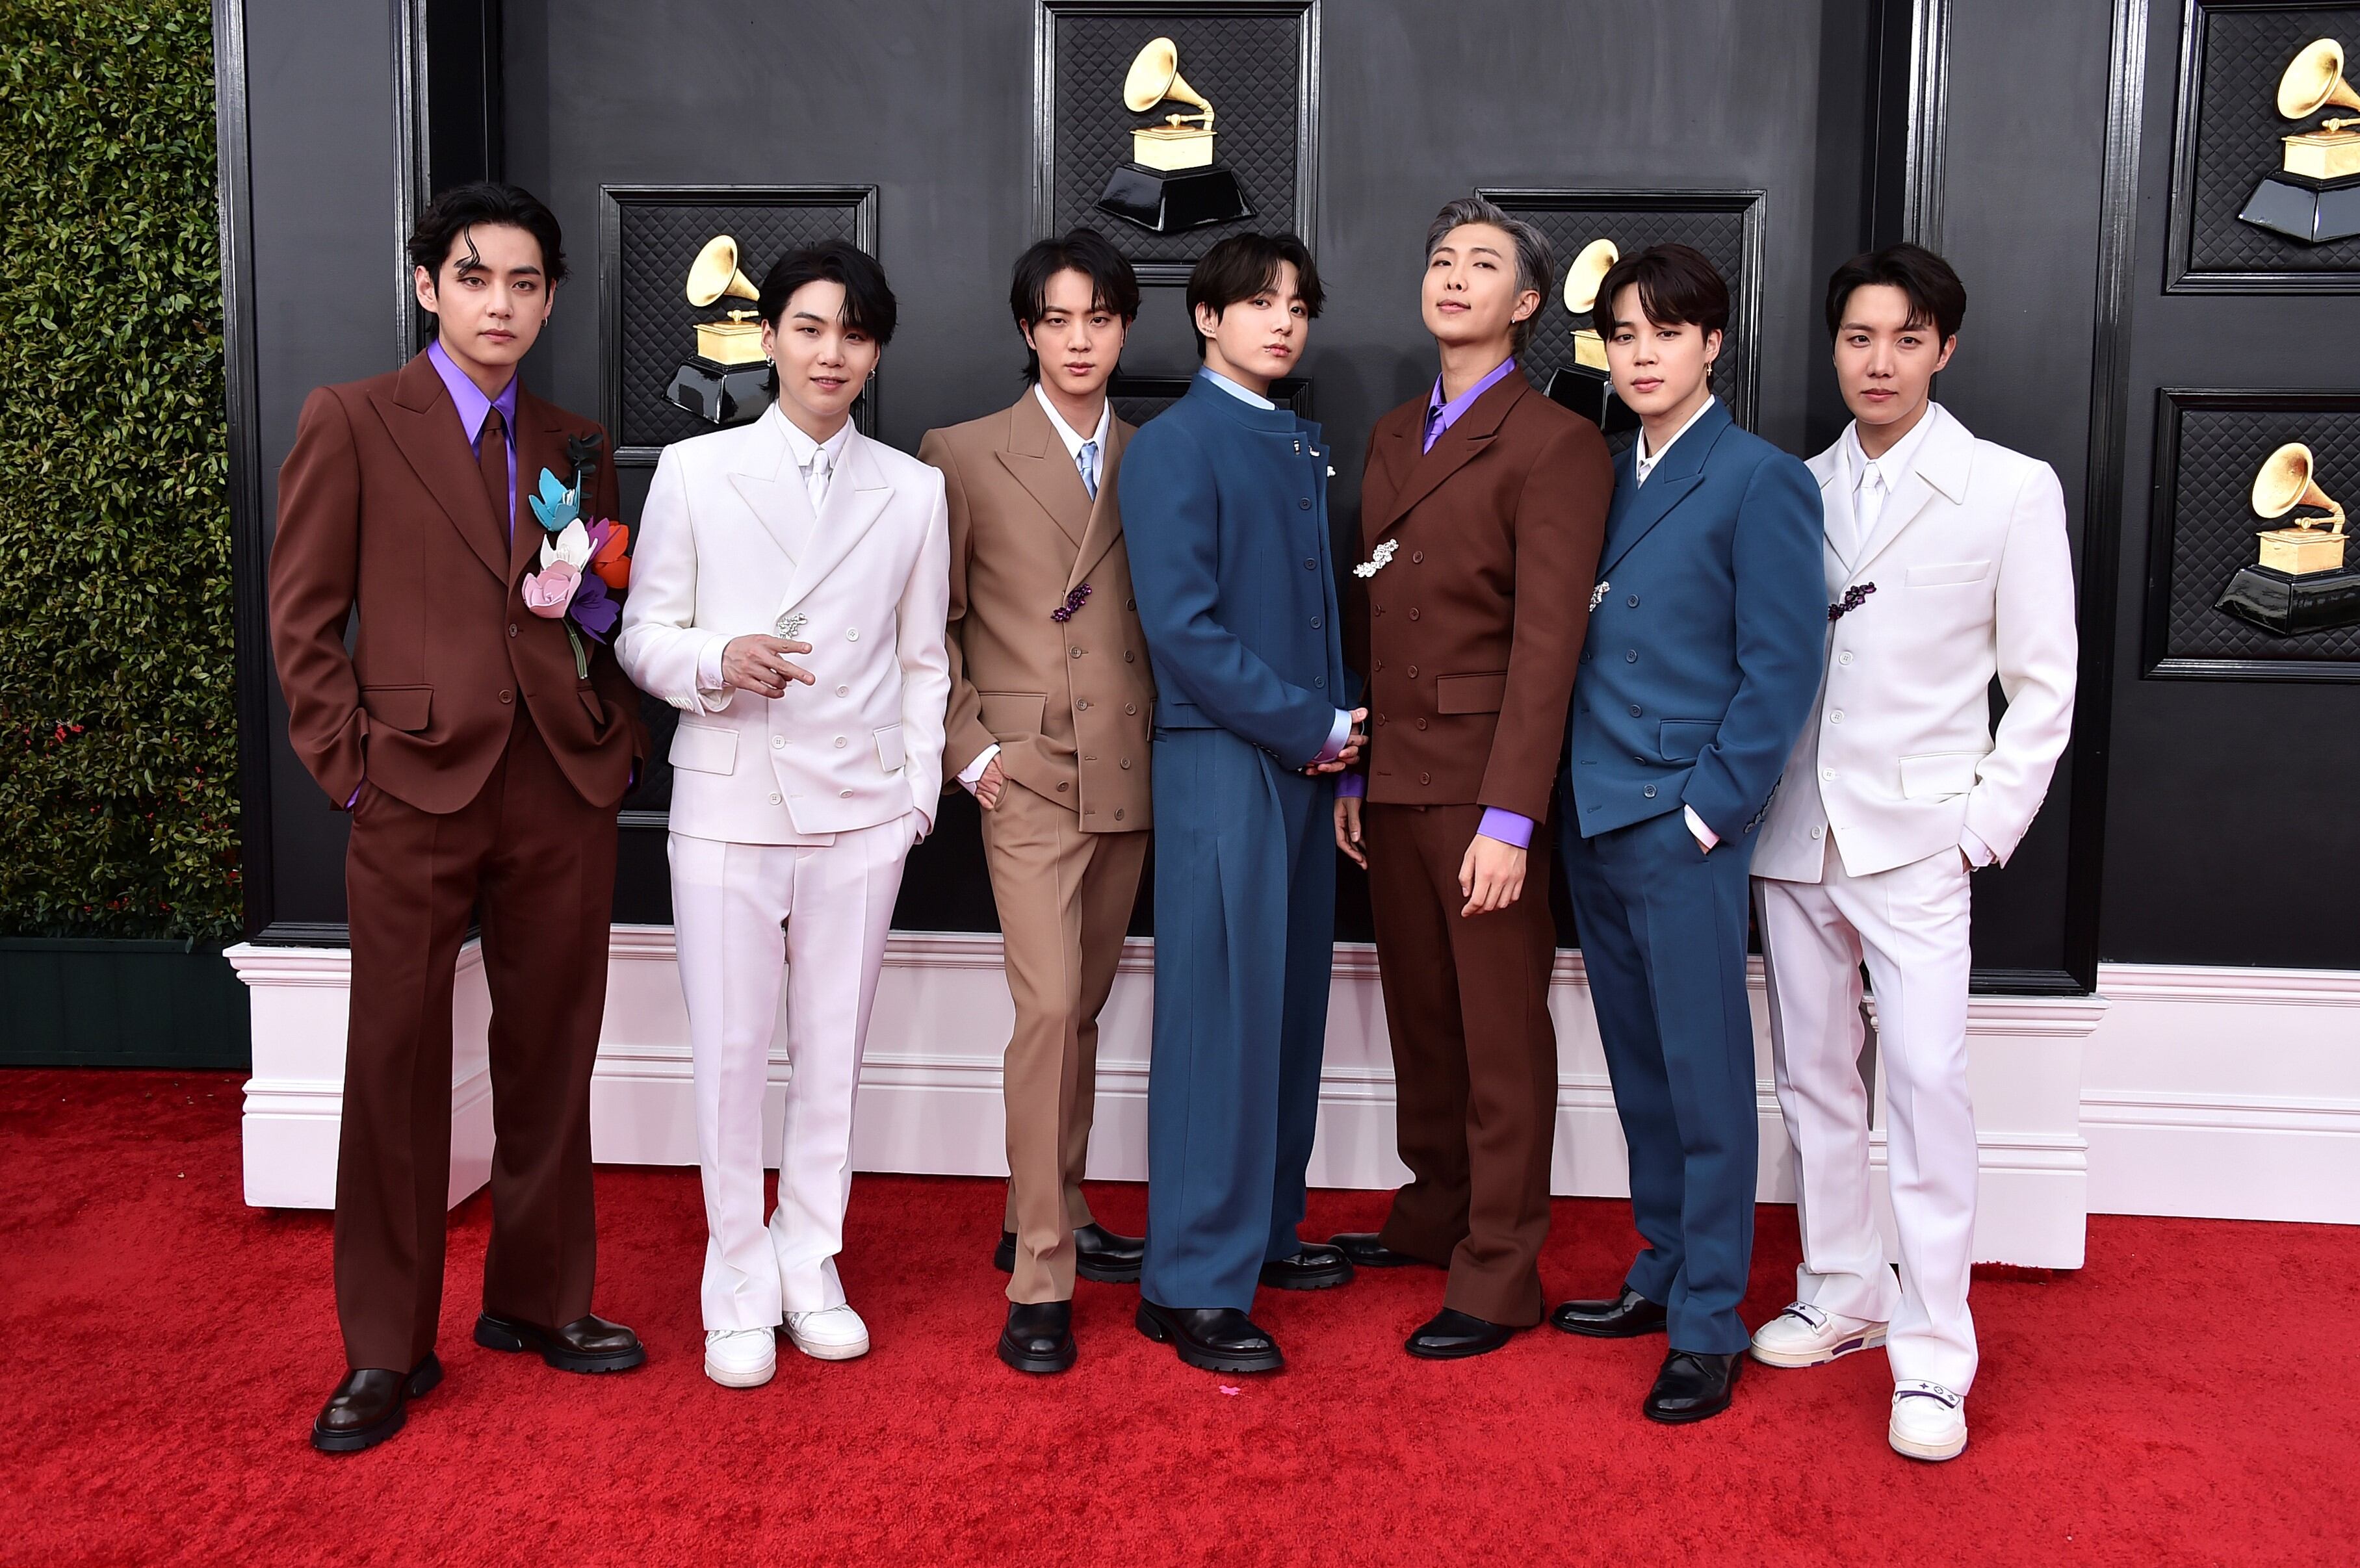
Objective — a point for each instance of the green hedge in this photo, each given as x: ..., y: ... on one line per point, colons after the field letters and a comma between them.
x: 118, y: 808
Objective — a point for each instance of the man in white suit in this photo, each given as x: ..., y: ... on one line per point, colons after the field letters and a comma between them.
x: 1947, y: 564
x: 789, y: 590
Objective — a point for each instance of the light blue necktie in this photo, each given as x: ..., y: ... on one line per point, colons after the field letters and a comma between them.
x: 1086, y: 460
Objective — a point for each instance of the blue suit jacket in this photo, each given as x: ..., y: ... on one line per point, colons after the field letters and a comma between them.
x: 1704, y: 653
x: 1225, y: 510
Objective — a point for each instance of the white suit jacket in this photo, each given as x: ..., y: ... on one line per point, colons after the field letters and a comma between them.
x: 729, y: 546
x: 1973, y: 578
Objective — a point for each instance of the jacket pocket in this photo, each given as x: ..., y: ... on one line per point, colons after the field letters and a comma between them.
x: 398, y: 707
x: 1937, y: 774
x: 1940, y: 576
x: 1470, y: 694
x: 889, y: 749
x: 1683, y: 740
x: 705, y: 748
x: 1010, y: 715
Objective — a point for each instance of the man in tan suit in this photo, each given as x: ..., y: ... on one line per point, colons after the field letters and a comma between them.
x: 1051, y: 702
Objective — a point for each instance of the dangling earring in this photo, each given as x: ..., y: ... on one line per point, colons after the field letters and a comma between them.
x: 769, y: 359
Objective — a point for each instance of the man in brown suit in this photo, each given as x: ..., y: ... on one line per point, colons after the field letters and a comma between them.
x: 482, y: 769
x: 1050, y: 708
x: 1483, y: 511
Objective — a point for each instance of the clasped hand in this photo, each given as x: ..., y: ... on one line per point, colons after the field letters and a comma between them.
x: 760, y: 664
x: 1355, y: 738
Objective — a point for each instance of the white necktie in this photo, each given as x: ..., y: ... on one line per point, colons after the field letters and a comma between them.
x: 1872, y: 500
x: 1086, y: 460
x: 815, y: 478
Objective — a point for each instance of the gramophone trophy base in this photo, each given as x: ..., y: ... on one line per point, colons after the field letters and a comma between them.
x: 1590, y: 394
x: 2302, y: 208
x: 2284, y: 604
x: 1167, y: 202
x: 718, y: 393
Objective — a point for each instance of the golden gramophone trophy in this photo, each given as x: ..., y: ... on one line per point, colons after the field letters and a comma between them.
x: 2315, y: 196
x: 726, y: 382
x: 1173, y: 181
x: 2301, y: 583
x: 1584, y: 386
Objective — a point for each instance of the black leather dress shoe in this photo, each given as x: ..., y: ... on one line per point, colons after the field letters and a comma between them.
x: 1451, y: 1336
x: 370, y: 1405
x: 588, y: 1343
x: 1219, y: 1339
x: 1361, y: 1249
x: 1317, y: 1267
x: 1627, y: 1316
x: 1039, y: 1336
x: 1099, y: 1253
x: 1691, y: 1386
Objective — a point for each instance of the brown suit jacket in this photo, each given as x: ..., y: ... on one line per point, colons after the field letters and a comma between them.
x: 1466, y: 641
x: 1069, y: 703
x: 381, y: 508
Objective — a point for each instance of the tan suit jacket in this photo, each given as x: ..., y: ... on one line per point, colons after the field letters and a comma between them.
x: 1069, y: 703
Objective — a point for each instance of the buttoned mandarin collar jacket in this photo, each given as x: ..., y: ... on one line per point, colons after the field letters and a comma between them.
x: 1467, y: 639
x: 1069, y: 702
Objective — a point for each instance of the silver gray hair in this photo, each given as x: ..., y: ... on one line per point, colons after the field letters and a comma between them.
x: 1535, y: 258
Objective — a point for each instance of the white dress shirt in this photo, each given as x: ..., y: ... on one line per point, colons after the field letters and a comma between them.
x: 804, y: 451
x: 1646, y: 460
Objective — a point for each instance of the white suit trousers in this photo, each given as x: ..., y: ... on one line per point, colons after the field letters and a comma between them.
x: 729, y: 902
x: 1909, y: 926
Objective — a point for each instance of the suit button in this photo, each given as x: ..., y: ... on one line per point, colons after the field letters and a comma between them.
x: 844, y: 794
x: 507, y: 695
x: 512, y: 631
x: 1425, y: 777
x: 1060, y: 787
x: 1636, y: 757
x: 1843, y: 658
x: 1417, y: 558
x: 778, y: 743
x: 844, y: 691
x: 1315, y: 623
x: 774, y: 797
x: 852, y: 633
x: 1379, y: 610
x: 1648, y: 790
x: 1632, y: 657
x: 1310, y: 566
x: 1131, y: 603
x: 839, y: 742
x: 1635, y: 710
x: 1413, y: 671
x: 1421, y: 723
x: 1816, y: 831
x: 1128, y: 657
x: 1413, y: 612
x: 1126, y: 762
x: 1380, y: 664
x: 1304, y: 503
x: 1082, y: 706
x: 1381, y: 718
x: 1827, y: 772
x: 1130, y: 707
x: 1633, y: 601
x: 1076, y: 652
x: 1836, y: 717
x: 1118, y: 813
x: 1319, y: 681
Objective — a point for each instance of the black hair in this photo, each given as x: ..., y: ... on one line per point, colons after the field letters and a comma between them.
x: 1677, y: 287
x: 1937, y: 298
x: 1114, y: 287
x: 443, y: 225
x: 1244, y: 266
x: 868, y: 305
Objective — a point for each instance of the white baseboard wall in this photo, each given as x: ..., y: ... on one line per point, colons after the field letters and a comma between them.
x: 930, y: 1096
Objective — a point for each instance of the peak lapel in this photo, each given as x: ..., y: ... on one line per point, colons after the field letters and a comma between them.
x: 773, y: 490
x: 856, y: 498
x: 1843, y: 530
x: 425, y: 427
x: 1452, y: 451
x: 1037, y: 460
x: 1105, y: 512
x: 1678, y: 472
x: 1941, y: 466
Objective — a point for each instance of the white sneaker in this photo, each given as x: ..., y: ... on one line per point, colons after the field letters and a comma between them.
x: 836, y: 1334
x: 1929, y: 1421
x: 1803, y: 1336
x: 740, y: 1358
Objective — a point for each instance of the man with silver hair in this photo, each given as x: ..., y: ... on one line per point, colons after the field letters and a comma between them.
x: 1483, y: 511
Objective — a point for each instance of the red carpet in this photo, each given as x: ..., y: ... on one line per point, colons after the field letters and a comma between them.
x: 2184, y: 1400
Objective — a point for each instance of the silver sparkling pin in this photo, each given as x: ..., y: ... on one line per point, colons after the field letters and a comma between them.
x: 792, y: 625
x: 1597, y: 595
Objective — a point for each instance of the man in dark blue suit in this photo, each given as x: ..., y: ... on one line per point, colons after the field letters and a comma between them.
x: 1225, y: 506
x: 1702, y: 662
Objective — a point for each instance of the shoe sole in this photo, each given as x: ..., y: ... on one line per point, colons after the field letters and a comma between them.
x: 1024, y: 1361
x: 1589, y: 1333
x: 1467, y: 1354
x: 1204, y: 1360
x: 734, y: 1377
x: 1930, y: 1453
x: 828, y: 1352
x: 422, y: 1382
x: 495, y: 1335
x: 1851, y: 1347
x: 1326, y: 1279
x: 1099, y: 1273
x: 1683, y: 1417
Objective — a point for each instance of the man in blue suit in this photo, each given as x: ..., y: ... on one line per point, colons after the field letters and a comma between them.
x: 1225, y: 506
x: 1702, y: 662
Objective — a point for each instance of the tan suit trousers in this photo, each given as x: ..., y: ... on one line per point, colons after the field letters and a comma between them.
x: 1064, y: 899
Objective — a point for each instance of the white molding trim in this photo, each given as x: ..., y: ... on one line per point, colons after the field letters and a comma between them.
x: 930, y: 1096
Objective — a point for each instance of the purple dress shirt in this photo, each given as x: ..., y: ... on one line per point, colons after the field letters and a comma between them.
x: 1508, y: 827
x: 469, y: 400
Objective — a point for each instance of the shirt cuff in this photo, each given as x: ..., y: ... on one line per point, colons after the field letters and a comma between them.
x: 1337, y: 739
x: 1704, y: 836
x: 1352, y: 786
x: 357, y: 798
x: 708, y: 667
x: 1977, y: 852
x: 972, y: 773
x: 1508, y: 827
